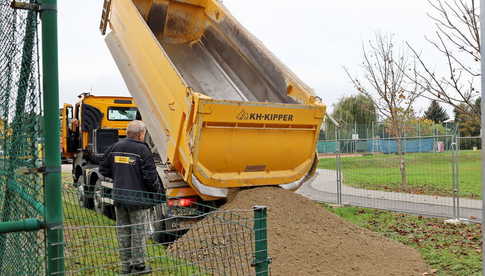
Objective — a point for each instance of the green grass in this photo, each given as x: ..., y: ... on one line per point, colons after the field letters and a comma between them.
x: 91, y: 242
x: 428, y: 173
x: 449, y: 249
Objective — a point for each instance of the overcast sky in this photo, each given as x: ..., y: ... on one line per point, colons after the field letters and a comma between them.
x: 314, y: 38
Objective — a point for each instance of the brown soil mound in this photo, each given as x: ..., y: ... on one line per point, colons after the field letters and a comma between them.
x: 305, y: 239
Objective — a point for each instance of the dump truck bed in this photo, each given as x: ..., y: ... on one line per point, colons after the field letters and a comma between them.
x: 207, y: 72
x: 222, y: 110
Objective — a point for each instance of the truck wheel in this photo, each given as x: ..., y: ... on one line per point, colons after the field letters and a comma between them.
x: 98, y: 194
x: 99, y: 206
x: 158, y: 225
x: 85, y: 194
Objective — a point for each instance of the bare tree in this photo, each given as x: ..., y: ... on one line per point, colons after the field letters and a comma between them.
x: 390, y: 88
x: 457, y: 38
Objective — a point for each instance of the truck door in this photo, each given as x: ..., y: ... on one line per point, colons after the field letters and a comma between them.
x: 66, y: 133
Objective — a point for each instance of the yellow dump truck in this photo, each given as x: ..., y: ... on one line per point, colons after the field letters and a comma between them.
x: 222, y: 111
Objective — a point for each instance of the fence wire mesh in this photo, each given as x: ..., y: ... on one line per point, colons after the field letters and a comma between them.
x: 171, y: 240
x: 434, y: 175
x: 469, y: 167
x: 412, y: 128
x: 21, y: 192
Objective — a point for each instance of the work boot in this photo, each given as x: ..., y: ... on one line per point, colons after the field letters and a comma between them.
x: 141, y: 269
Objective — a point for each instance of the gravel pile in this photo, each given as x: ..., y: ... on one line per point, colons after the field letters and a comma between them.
x: 304, y: 239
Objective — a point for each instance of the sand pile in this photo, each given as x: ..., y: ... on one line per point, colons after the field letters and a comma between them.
x: 304, y: 239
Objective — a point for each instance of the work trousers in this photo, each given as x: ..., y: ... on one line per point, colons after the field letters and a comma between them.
x: 131, y: 232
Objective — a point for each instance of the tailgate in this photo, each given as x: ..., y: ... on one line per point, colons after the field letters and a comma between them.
x: 240, y: 144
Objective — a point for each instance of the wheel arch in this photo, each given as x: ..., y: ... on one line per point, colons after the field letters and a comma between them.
x: 93, y: 177
x: 77, y: 172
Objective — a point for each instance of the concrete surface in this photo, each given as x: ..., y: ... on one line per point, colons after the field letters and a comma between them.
x: 324, y: 189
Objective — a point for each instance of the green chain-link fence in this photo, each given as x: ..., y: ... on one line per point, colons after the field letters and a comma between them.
x: 197, y: 240
x: 21, y: 191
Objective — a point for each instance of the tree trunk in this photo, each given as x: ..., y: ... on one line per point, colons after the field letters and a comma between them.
x: 402, y: 163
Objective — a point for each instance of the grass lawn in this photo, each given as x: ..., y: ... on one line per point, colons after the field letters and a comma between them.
x: 449, y: 249
x: 427, y: 173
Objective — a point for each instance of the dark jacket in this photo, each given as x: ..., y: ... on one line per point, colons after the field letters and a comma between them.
x: 130, y: 164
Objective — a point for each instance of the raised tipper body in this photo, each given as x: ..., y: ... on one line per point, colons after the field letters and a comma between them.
x: 222, y: 110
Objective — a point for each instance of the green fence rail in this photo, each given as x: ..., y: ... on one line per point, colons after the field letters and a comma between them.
x: 52, y: 171
x: 261, y: 257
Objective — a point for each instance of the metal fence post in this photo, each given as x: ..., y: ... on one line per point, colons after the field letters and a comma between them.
x: 261, y: 259
x: 339, y: 168
x: 455, y: 175
x: 482, y: 26
x: 52, y: 178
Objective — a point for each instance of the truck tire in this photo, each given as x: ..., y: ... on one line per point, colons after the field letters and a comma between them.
x: 99, y: 205
x: 85, y: 194
x: 158, y: 225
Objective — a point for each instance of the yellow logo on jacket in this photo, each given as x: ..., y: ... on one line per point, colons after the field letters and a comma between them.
x: 124, y: 160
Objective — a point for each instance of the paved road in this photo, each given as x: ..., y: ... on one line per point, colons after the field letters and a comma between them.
x: 324, y: 188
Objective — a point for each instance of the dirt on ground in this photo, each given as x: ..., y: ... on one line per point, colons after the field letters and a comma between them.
x: 304, y: 239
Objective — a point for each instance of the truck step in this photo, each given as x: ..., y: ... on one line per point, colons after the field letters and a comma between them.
x: 178, y: 184
x: 171, y: 178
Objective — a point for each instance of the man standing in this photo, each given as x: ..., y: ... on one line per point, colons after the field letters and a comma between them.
x: 130, y: 164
